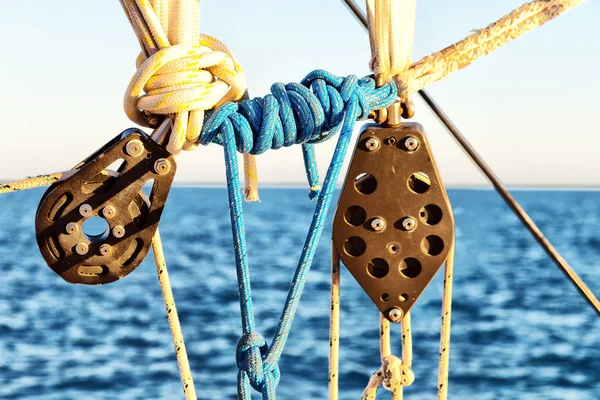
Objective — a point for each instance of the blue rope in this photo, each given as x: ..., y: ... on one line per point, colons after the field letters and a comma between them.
x: 307, y: 113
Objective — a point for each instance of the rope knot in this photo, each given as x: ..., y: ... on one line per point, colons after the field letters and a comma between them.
x: 395, y: 373
x: 184, y: 81
x: 251, y: 353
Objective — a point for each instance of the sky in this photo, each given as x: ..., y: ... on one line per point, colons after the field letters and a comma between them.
x: 530, y: 108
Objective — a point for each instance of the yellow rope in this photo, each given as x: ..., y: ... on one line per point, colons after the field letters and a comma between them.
x: 453, y: 58
x: 181, y: 74
x: 33, y: 182
x: 167, y: 292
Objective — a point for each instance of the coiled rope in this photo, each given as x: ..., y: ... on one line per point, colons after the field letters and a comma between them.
x: 332, y: 105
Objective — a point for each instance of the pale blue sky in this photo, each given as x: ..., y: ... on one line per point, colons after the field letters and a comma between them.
x: 530, y: 108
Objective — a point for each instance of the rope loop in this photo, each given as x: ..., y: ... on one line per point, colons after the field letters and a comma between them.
x: 251, y: 352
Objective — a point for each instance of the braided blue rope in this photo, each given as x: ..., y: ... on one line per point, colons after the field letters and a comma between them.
x: 307, y: 113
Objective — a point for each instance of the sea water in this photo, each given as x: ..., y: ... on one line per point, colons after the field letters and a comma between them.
x: 519, y: 329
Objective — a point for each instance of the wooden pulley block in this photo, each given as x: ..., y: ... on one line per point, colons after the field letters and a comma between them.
x: 114, y: 200
x: 393, y: 227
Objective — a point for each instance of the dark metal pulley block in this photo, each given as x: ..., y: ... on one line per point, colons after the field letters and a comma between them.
x: 117, y: 197
x: 393, y: 227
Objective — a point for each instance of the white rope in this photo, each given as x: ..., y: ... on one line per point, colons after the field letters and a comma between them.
x: 391, y: 33
x: 395, y: 373
x: 334, y: 325
x: 445, y: 332
x: 165, y: 285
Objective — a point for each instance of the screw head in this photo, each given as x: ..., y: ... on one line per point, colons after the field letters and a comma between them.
x: 378, y: 224
x: 85, y: 210
x: 372, y: 144
x: 162, y: 166
x: 409, y: 224
x: 105, y: 249
x: 72, y: 228
x: 109, y: 212
x: 395, y: 314
x: 118, y: 231
x: 82, y: 249
x: 134, y: 148
x: 411, y: 143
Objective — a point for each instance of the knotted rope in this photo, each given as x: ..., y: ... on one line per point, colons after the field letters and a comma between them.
x: 331, y: 105
x: 181, y: 72
x: 394, y: 373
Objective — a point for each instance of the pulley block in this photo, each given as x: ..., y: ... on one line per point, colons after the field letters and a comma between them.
x: 111, y: 198
x: 393, y: 226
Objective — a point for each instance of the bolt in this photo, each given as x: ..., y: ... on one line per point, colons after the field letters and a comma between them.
x: 118, y: 232
x: 72, y: 228
x: 134, y: 148
x: 395, y: 314
x: 372, y: 144
x: 162, y: 166
x: 378, y: 224
x: 85, y: 210
x: 411, y: 143
x: 409, y: 223
x: 82, y: 249
x: 105, y: 249
x: 109, y: 212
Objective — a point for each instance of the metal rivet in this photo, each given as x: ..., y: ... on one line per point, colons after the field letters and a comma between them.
x: 409, y: 223
x: 85, y: 210
x: 378, y: 224
x: 118, y: 232
x: 411, y: 143
x: 395, y: 314
x: 372, y: 144
x: 134, y: 148
x: 109, y: 212
x: 105, y: 249
x: 72, y: 228
x: 82, y: 249
x: 162, y: 166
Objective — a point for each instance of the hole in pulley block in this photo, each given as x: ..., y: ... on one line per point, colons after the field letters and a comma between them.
x: 355, y: 215
x: 410, y: 267
x: 419, y: 182
x: 96, y: 229
x: 432, y: 245
x: 365, y: 183
x: 431, y: 214
x: 378, y: 268
x: 355, y: 246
